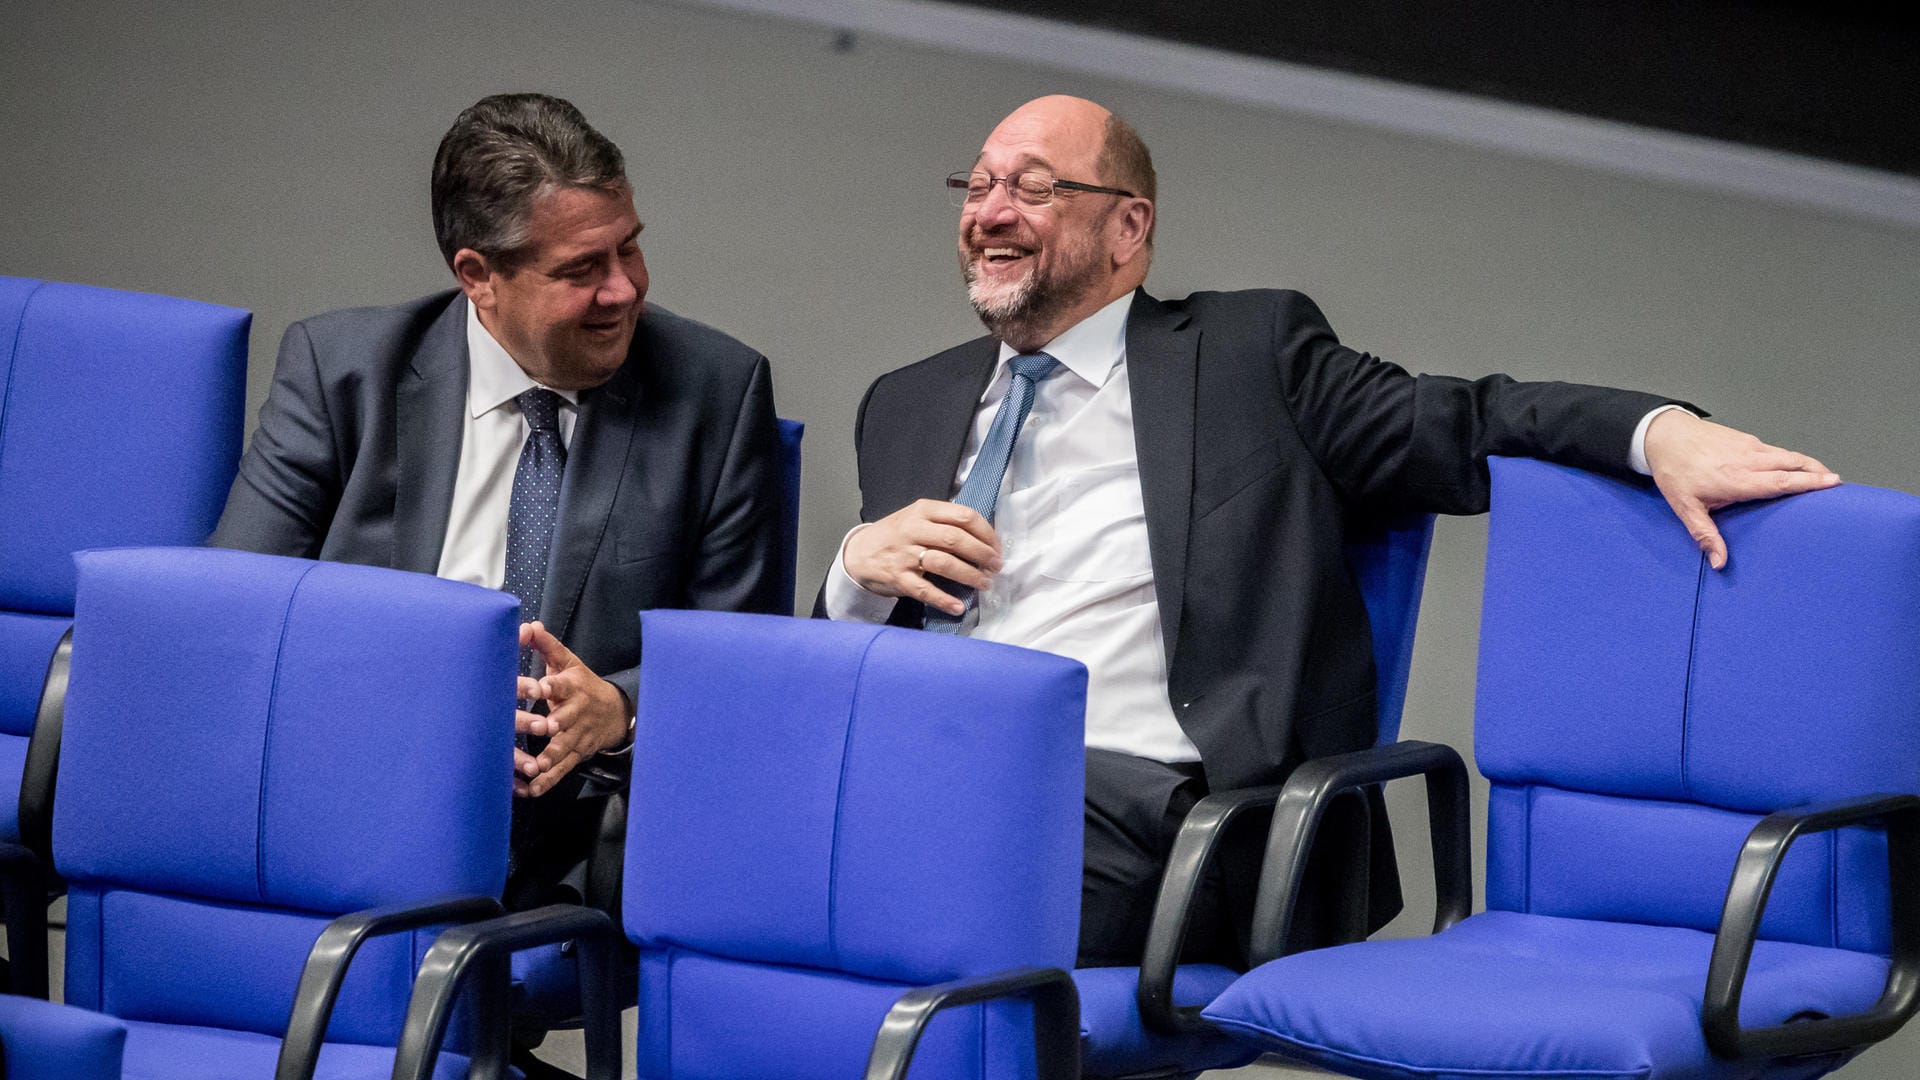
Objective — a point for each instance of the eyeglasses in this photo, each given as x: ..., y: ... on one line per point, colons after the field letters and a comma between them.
x: 1026, y: 188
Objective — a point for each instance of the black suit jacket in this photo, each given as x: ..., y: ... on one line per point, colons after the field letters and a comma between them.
x: 670, y: 496
x: 1260, y: 439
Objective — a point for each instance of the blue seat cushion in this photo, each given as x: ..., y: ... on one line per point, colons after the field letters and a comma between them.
x: 1505, y: 994
x: 1114, y: 1043
x: 179, y: 1052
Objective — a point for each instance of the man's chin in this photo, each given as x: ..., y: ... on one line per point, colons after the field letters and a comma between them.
x: 597, y: 361
x: 1000, y: 300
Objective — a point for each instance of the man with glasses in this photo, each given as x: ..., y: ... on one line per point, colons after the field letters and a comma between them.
x: 1160, y: 489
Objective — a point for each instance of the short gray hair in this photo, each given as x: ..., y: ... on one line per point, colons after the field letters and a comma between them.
x: 1126, y: 163
x: 502, y: 152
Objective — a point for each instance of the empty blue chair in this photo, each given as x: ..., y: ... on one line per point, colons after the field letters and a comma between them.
x: 1703, y: 829
x: 43, y: 1041
x: 254, y: 745
x: 1143, y: 1022
x: 828, y: 817
x: 119, y: 424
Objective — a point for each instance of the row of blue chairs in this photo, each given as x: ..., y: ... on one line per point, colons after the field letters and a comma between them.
x: 271, y: 803
x: 853, y: 849
x: 119, y: 426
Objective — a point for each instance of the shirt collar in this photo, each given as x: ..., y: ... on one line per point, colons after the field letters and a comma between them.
x: 1092, y: 347
x: 493, y: 377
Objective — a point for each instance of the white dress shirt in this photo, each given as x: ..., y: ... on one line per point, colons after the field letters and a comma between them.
x: 1076, y: 578
x: 492, y: 431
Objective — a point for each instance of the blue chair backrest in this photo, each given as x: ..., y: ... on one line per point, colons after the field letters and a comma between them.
x: 1638, y: 711
x: 120, y: 419
x: 254, y: 744
x: 791, y: 432
x: 821, y: 818
x: 1389, y: 563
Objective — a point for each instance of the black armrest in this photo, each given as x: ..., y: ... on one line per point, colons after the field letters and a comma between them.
x: 334, y: 950
x: 1747, y: 893
x: 1193, y: 850
x: 27, y: 878
x: 487, y: 946
x: 43, y: 755
x: 1314, y: 786
x: 1056, y: 1020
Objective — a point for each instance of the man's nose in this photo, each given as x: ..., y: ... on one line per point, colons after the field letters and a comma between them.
x: 998, y: 207
x: 618, y: 290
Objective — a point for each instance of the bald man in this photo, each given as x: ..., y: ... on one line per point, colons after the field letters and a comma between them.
x: 1173, y: 507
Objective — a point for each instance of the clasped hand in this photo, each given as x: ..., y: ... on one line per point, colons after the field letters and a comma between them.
x: 896, y: 555
x: 585, y: 714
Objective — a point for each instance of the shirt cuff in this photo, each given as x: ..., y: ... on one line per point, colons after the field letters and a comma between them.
x: 633, y: 720
x: 1637, y: 451
x: 845, y: 599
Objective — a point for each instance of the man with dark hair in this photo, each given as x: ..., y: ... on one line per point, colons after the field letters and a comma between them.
x: 1161, y: 490
x: 538, y: 429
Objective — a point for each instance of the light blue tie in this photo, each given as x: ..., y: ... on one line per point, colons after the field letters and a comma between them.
x: 981, y: 491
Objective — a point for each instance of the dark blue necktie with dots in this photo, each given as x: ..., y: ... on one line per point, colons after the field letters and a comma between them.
x: 981, y: 490
x: 531, y: 517
x: 536, y: 502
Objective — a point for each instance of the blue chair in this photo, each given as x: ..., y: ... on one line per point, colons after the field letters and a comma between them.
x: 253, y: 746
x: 834, y: 826
x: 119, y: 425
x: 1658, y: 736
x: 1144, y: 1022
x: 43, y: 1041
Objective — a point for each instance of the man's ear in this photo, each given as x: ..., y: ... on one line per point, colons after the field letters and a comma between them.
x: 476, y: 276
x: 1132, y: 225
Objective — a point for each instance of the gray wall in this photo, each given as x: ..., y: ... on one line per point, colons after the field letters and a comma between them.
x: 274, y: 157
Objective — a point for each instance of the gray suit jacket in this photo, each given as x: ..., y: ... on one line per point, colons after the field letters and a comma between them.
x: 670, y: 498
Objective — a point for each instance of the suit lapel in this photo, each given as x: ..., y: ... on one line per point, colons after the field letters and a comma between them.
x: 602, y: 444
x: 1162, y: 358
x: 427, y: 428
x: 952, y: 400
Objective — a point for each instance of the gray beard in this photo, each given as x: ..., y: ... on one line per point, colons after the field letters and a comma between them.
x: 1011, y: 313
x: 1030, y: 310
x: 1025, y: 312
